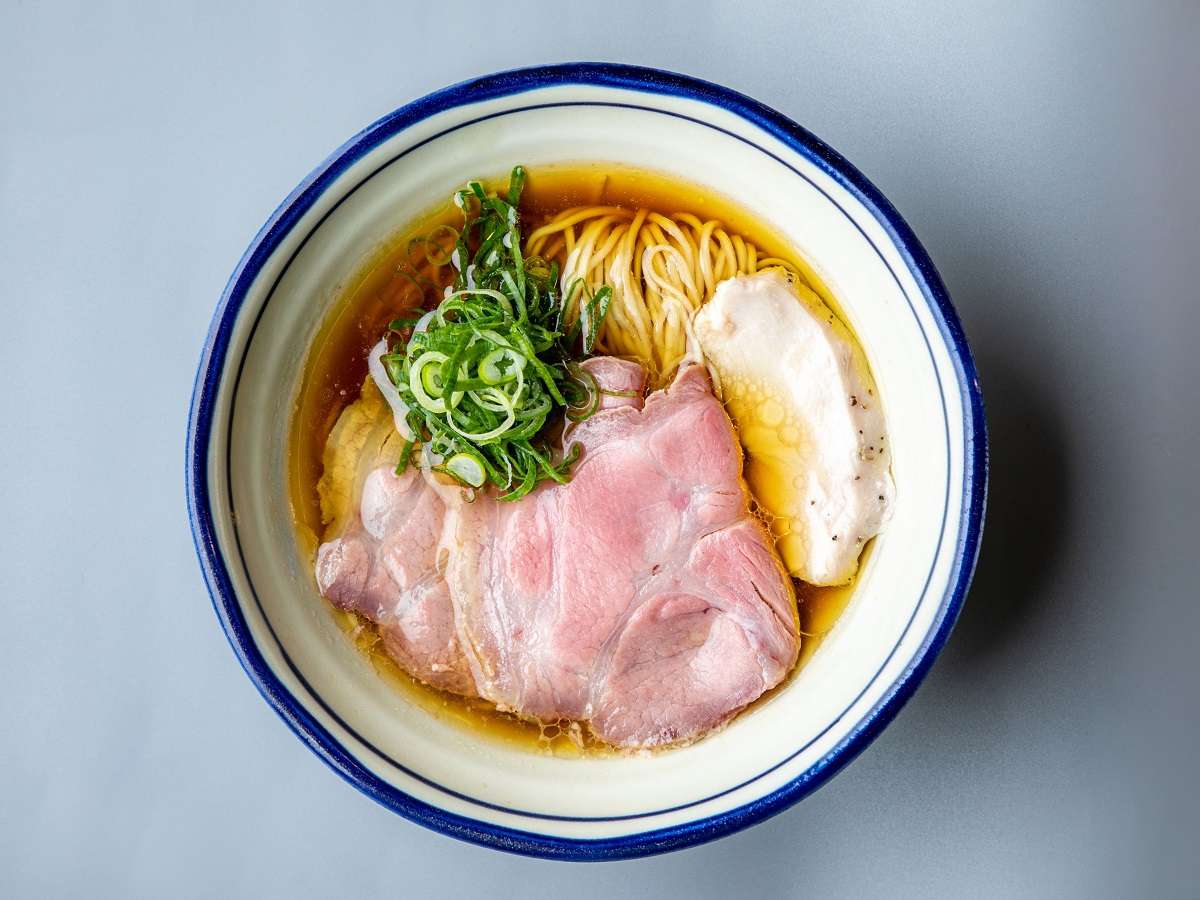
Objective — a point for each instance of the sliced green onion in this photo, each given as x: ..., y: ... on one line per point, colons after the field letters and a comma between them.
x: 419, y: 379
x: 500, y: 366
x: 483, y: 372
x: 443, y: 239
x: 480, y: 437
x: 467, y: 468
x: 431, y: 380
x: 587, y: 401
x: 405, y: 455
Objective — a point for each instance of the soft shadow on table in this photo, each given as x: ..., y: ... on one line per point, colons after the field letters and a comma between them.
x: 1029, y: 520
x: 1030, y: 517
x: 1030, y: 510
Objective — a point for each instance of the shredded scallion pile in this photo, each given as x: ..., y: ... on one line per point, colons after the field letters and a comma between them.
x: 484, y: 374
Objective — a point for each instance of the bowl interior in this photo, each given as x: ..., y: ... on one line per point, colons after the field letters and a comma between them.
x: 324, y: 683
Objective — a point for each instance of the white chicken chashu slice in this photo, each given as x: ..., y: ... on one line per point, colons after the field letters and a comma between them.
x: 800, y: 393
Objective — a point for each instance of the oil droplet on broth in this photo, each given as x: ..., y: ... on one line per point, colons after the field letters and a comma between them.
x: 770, y: 413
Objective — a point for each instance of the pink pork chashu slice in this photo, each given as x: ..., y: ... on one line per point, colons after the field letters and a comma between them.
x: 642, y: 596
x: 383, y: 566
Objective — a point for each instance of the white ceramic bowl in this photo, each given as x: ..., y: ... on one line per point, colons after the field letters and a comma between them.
x: 909, y: 592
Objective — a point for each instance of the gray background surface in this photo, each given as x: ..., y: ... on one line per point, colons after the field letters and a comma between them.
x: 1045, y: 154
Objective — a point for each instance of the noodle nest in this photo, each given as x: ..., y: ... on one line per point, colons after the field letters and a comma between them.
x: 661, y: 270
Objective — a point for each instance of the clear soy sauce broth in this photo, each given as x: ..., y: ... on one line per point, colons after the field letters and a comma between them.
x: 336, y: 368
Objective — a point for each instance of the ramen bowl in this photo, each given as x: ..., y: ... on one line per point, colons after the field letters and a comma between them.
x: 467, y: 785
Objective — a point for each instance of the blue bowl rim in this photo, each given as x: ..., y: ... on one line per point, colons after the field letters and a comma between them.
x: 208, y: 375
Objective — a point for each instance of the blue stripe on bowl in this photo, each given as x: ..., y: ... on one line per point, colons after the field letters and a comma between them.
x: 315, y: 695
x: 213, y: 363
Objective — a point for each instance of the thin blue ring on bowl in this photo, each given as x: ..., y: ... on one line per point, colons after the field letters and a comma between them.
x: 314, y: 695
x: 212, y: 362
